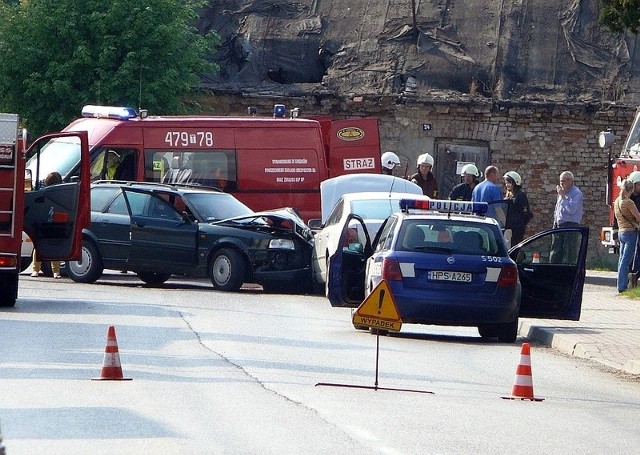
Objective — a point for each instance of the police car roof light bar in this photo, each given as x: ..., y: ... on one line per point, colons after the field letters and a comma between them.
x: 114, y: 112
x: 438, y: 205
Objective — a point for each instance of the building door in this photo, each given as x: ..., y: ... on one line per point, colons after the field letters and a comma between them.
x: 451, y: 156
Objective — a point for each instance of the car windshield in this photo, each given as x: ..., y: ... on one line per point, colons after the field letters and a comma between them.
x: 216, y: 206
x: 377, y: 209
x: 451, y: 236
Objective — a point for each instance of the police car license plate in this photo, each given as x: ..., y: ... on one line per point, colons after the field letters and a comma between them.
x: 442, y: 275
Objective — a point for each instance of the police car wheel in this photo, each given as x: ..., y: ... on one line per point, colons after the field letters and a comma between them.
x: 227, y: 270
x: 508, y: 332
x: 89, y: 268
x: 488, y: 331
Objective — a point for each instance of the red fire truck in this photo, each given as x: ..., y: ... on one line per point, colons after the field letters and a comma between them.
x: 52, y: 216
x: 620, y: 165
x: 266, y: 162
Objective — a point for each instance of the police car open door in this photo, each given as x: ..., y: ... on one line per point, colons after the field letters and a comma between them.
x: 55, y: 215
x: 552, y: 268
x: 346, y: 269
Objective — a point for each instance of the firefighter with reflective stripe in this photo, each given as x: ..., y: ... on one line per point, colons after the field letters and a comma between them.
x: 424, y: 178
x: 464, y: 190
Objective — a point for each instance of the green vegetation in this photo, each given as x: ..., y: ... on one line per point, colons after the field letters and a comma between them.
x: 58, y: 55
x: 620, y: 16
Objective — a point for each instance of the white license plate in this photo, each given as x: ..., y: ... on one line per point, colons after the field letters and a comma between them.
x: 442, y: 275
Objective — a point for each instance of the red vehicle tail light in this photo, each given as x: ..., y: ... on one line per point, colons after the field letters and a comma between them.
x: 391, y: 270
x: 508, y: 276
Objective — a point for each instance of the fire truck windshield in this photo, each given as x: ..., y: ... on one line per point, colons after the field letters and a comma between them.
x: 632, y: 145
x: 59, y: 154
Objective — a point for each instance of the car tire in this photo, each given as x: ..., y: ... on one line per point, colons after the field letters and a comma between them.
x: 488, y: 331
x: 153, y: 278
x: 507, y: 333
x: 89, y: 268
x: 227, y: 270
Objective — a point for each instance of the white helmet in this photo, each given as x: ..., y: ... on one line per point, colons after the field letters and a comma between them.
x: 470, y: 169
x: 390, y: 160
x: 513, y: 175
x: 634, y: 177
x: 425, y: 158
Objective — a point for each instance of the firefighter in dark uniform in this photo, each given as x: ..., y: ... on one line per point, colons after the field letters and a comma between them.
x: 424, y: 178
x: 463, y: 191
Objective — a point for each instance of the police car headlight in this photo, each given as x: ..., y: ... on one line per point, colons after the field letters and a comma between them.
x: 282, y: 244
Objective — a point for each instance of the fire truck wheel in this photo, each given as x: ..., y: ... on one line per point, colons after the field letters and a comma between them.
x: 89, y: 268
x: 9, y: 286
x: 153, y: 278
x: 227, y: 270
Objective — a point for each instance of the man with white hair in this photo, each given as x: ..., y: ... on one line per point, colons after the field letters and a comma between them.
x: 568, y: 213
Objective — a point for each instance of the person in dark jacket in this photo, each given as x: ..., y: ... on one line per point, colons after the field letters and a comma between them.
x: 424, y: 178
x: 464, y: 190
x: 518, y: 212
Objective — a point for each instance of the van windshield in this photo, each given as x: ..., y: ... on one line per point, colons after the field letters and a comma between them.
x: 61, y: 154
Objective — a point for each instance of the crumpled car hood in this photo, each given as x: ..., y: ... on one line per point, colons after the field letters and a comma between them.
x: 281, y: 221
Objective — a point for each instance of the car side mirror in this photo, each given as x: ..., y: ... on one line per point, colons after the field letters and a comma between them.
x: 315, y: 223
x: 186, y: 218
x: 356, y: 247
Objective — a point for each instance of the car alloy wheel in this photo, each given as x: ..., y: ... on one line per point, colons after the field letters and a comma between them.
x: 227, y: 270
x: 89, y: 268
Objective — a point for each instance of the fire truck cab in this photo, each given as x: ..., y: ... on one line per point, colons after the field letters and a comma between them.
x: 620, y: 165
x: 265, y: 162
x: 53, y: 216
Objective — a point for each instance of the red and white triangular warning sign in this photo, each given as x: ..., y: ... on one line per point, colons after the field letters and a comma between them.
x: 379, y: 310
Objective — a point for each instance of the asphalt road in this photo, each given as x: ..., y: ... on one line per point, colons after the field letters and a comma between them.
x: 237, y: 373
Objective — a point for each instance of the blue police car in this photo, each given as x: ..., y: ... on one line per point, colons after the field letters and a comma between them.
x: 447, y: 264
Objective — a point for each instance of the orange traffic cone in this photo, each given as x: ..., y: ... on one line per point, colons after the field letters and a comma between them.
x: 523, y: 385
x: 111, y: 369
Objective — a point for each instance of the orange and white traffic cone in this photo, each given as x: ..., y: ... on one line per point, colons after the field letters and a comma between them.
x: 536, y: 257
x: 523, y: 385
x: 111, y: 369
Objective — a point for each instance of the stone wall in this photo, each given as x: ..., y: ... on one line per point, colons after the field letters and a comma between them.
x: 537, y: 140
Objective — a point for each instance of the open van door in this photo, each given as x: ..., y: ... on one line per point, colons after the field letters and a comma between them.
x: 346, y: 268
x: 552, y: 269
x: 54, y: 216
